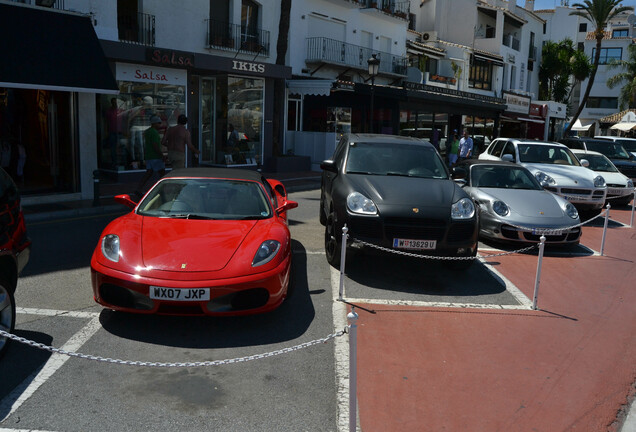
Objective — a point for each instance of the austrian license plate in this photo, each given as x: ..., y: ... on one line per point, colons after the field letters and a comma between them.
x: 179, y: 294
x: 414, y: 244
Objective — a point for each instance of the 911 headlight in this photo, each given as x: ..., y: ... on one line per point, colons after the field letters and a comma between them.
x: 266, y: 252
x: 544, y: 179
x: 110, y: 247
x: 500, y: 208
x: 358, y: 203
x: 571, y: 211
x: 599, y: 181
x: 463, y: 209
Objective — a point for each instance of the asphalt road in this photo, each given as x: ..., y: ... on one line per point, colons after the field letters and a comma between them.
x: 296, y: 391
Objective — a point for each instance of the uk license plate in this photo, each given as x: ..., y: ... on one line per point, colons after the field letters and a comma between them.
x: 179, y: 294
x: 414, y: 244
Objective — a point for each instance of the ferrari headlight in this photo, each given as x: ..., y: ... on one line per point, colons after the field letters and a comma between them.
x: 266, y: 252
x: 500, y: 208
x: 544, y: 179
x: 571, y: 211
x: 463, y: 209
x: 358, y: 203
x: 110, y: 247
x: 599, y: 181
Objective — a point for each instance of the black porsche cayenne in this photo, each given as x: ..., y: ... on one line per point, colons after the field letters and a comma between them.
x: 396, y: 193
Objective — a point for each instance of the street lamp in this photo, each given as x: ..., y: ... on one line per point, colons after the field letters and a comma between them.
x: 374, y: 65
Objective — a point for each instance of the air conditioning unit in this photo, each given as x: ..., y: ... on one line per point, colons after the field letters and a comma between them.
x: 429, y: 36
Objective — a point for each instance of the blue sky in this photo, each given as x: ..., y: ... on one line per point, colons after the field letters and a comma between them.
x: 550, y: 4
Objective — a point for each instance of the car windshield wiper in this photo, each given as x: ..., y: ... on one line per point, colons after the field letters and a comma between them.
x: 398, y: 174
x: 362, y: 172
x: 190, y: 216
x: 254, y: 217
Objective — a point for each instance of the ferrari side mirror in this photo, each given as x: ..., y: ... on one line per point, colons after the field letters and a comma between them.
x: 125, y: 200
x: 287, y: 205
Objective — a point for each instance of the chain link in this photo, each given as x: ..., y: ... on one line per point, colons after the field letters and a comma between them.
x: 182, y: 364
x: 436, y: 257
x: 556, y: 231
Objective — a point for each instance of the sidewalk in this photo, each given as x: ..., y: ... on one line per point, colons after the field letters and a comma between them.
x: 35, y: 212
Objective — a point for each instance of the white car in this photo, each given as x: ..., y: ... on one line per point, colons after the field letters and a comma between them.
x: 555, y: 167
x: 620, y: 188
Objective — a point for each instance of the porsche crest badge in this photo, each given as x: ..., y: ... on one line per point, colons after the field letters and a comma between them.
x: 416, y: 210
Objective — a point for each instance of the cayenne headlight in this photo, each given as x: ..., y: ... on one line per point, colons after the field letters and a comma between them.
x: 358, y: 203
x: 571, y: 211
x: 266, y: 252
x: 630, y: 184
x: 110, y: 247
x: 599, y: 181
x: 463, y: 209
x: 544, y: 179
x: 500, y: 208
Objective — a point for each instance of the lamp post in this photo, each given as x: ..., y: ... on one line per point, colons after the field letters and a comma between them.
x: 374, y: 65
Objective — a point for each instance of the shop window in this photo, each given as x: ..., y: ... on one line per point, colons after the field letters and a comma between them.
x: 245, y: 97
x: 480, y: 75
x: 123, y: 119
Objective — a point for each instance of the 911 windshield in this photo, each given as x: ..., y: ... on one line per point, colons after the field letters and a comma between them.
x: 206, y: 199
x: 390, y: 159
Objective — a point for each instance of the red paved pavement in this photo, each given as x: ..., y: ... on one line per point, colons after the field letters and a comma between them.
x: 569, y: 366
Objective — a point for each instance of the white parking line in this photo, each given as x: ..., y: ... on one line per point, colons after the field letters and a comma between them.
x: 54, y: 312
x: 30, y: 385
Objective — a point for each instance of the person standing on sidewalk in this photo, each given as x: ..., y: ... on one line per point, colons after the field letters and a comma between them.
x: 152, y: 153
x: 465, y: 146
x: 453, y: 151
x: 176, y: 139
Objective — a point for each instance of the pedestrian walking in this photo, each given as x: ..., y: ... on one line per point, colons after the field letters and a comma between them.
x: 453, y: 152
x: 153, y: 155
x: 465, y: 146
x: 176, y: 139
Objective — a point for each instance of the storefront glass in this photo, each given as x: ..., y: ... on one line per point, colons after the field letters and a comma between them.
x: 243, y: 144
x: 38, y: 140
x: 123, y: 119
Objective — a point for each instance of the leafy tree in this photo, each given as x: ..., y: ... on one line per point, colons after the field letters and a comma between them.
x: 627, y: 97
x: 599, y: 13
x: 562, y: 68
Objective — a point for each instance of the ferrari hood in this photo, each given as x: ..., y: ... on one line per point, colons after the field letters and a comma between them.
x: 528, y: 203
x: 407, y: 191
x: 199, y: 245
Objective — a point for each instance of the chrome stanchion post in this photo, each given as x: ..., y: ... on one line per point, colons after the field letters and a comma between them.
x: 343, y: 256
x: 631, y: 220
x: 353, y: 371
x: 537, y: 279
x: 605, y: 228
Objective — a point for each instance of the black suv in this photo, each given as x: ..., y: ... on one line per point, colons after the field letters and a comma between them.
x: 15, y: 248
x: 614, y: 151
x: 396, y: 193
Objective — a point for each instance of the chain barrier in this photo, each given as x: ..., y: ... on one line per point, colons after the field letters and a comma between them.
x: 182, y: 364
x: 435, y: 257
x: 557, y: 231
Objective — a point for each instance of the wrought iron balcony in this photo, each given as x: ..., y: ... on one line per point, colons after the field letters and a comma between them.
x: 397, y: 8
x: 234, y: 37
x: 55, y: 4
x: 137, y: 28
x: 325, y: 50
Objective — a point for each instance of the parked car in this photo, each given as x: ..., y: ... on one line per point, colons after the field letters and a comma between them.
x: 624, y: 161
x: 202, y: 241
x: 620, y: 188
x: 15, y: 250
x: 514, y: 207
x: 395, y: 192
x: 628, y: 143
x: 556, y: 169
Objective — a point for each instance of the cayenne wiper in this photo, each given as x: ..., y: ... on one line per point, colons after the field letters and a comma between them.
x: 397, y: 174
x: 362, y: 172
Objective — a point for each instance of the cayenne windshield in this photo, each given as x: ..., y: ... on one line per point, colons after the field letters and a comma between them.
x: 598, y: 162
x: 629, y: 145
x: 493, y: 176
x: 206, y: 199
x: 409, y: 160
x: 546, y: 154
x: 611, y: 150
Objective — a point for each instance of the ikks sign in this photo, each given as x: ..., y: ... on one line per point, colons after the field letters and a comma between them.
x: 154, y: 74
x: 247, y: 66
x: 170, y: 58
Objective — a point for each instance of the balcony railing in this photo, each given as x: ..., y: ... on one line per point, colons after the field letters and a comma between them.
x: 512, y: 42
x: 234, y: 37
x: 137, y: 28
x: 55, y: 4
x: 320, y: 49
x: 398, y: 8
x: 532, y: 53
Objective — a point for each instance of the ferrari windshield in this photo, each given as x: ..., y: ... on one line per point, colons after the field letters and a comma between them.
x: 546, y: 154
x: 598, y: 162
x: 504, y: 177
x: 391, y: 159
x: 201, y: 198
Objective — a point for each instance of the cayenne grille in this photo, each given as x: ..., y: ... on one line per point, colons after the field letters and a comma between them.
x: 365, y: 227
x: 576, y: 191
x: 460, y: 231
x: 414, y: 228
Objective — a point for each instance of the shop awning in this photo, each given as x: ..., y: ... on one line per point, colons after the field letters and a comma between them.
x: 624, y: 126
x: 315, y: 87
x: 495, y: 60
x: 578, y: 126
x: 51, y: 50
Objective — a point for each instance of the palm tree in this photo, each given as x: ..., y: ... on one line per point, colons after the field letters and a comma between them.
x: 562, y: 68
x: 627, y: 97
x: 599, y: 13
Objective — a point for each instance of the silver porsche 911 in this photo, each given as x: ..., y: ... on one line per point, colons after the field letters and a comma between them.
x: 514, y: 207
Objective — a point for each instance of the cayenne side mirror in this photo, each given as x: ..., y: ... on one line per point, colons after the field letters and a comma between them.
x: 459, y: 173
x: 329, y: 165
x: 585, y: 163
x: 507, y: 158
